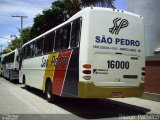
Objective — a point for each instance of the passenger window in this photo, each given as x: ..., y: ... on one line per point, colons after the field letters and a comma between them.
x: 22, y: 53
x: 66, y: 36
x: 49, y: 43
x: 76, y: 32
x: 59, y: 39
x: 32, y: 49
x: 62, y: 38
x: 39, y: 47
x: 27, y: 51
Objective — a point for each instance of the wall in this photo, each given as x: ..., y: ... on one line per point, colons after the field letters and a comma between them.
x: 152, y: 81
x: 149, y: 9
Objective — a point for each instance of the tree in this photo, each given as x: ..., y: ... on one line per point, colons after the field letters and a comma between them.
x: 15, y: 43
x: 49, y: 18
x: 75, y: 5
x: 6, y: 50
x: 27, y: 35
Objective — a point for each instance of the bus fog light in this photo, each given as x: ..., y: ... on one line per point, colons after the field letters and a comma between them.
x: 86, y: 77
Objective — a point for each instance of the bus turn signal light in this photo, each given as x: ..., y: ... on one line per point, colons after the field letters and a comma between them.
x: 143, y: 68
x: 88, y: 66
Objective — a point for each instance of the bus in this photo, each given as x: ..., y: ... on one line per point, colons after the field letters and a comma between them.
x: 97, y: 53
x: 1, y: 65
x: 10, y: 65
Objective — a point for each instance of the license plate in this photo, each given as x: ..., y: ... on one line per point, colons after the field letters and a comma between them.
x: 117, y: 95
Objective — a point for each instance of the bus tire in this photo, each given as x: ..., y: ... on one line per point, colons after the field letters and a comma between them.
x: 10, y: 80
x: 24, y: 82
x: 50, y: 97
x: 23, y: 79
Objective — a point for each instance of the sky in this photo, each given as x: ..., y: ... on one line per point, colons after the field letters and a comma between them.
x: 9, y: 25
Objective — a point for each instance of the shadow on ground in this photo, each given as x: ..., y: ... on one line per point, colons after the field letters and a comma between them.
x: 94, y: 108
x: 16, y: 81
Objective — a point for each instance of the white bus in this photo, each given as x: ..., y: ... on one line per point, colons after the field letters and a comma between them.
x: 1, y: 65
x: 10, y: 65
x: 97, y: 53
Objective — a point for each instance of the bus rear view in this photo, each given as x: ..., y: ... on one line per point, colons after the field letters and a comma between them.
x: 112, y: 54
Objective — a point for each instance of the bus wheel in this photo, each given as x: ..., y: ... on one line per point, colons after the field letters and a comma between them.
x: 49, y: 95
x: 10, y: 80
x: 23, y: 79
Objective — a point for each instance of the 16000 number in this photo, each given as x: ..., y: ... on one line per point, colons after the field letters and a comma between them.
x: 118, y: 64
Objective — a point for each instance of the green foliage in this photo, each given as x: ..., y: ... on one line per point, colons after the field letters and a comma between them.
x: 48, y: 19
x: 73, y: 6
x: 7, y: 50
x: 14, y: 44
x: 26, y: 34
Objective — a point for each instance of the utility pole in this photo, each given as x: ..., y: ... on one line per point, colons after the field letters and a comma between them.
x: 22, y: 17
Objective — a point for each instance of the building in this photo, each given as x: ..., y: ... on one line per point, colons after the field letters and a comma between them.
x: 149, y: 9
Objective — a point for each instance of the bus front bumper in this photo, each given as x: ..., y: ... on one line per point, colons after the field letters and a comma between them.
x: 89, y: 90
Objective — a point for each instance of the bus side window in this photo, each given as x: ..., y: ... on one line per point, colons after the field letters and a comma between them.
x: 39, y: 47
x: 49, y: 43
x: 25, y: 52
x: 22, y: 52
x: 32, y: 50
x: 58, y: 39
x: 66, y: 36
x: 28, y: 51
x: 75, y: 33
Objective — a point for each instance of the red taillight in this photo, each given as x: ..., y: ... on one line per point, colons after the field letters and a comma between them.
x: 143, y: 73
x: 86, y: 71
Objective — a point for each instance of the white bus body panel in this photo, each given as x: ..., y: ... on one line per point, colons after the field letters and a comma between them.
x: 100, y: 45
x: 33, y: 71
